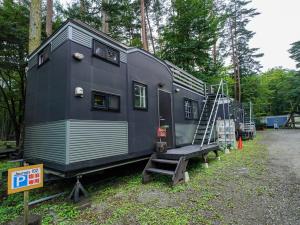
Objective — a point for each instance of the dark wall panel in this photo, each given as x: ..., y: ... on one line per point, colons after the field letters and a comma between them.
x: 143, y: 124
x: 93, y: 73
x: 46, y: 88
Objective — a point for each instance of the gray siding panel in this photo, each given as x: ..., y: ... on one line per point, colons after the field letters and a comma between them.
x: 97, y: 139
x: 32, y: 62
x: 81, y: 38
x: 62, y: 37
x: 46, y: 142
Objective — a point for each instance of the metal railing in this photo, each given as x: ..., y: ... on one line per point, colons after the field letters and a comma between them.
x: 195, y: 135
x: 211, y: 114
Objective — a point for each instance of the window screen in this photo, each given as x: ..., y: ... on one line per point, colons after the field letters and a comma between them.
x: 191, y: 110
x: 43, y: 56
x: 105, y: 52
x: 195, y: 110
x: 188, y: 109
x: 114, y: 103
x: 139, y: 96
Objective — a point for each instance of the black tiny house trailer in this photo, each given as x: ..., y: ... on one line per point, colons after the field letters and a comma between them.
x: 92, y: 101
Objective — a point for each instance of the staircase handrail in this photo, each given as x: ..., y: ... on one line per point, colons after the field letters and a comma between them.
x: 221, y: 82
x: 214, y: 122
x: 195, y: 135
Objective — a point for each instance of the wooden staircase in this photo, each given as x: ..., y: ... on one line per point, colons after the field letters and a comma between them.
x: 158, y: 164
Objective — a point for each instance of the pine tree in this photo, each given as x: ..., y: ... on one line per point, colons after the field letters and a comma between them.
x: 295, y: 53
x: 236, y: 42
x: 188, y: 37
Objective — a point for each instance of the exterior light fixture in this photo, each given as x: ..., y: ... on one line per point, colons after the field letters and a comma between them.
x: 177, y: 90
x: 161, y: 85
x: 79, y: 92
x: 78, y: 56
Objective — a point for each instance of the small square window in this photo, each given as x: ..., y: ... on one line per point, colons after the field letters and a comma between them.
x: 43, y: 56
x: 140, y: 96
x: 105, y: 101
x: 99, y: 101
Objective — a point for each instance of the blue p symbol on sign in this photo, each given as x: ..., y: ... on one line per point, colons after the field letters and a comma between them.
x: 20, y: 181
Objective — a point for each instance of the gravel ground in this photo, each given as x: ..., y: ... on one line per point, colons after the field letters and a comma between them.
x: 274, y: 196
x: 284, y: 171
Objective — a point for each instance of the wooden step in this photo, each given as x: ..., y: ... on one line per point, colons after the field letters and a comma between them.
x: 160, y: 171
x: 166, y: 161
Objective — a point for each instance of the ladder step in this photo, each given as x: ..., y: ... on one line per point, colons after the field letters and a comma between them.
x: 166, y: 161
x: 160, y: 171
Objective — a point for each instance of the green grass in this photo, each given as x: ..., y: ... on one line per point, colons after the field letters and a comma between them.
x: 126, y: 200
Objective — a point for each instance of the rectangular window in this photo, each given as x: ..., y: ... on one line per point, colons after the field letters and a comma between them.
x: 191, y: 110
x: 188, y: 109
x: 106, y: 102
x: 105, y: 52
x: 44, y: 54
x: 140, y: 96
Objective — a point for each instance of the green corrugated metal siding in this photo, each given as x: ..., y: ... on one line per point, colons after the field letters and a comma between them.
x: 46, y: 141
x: 96, y: 139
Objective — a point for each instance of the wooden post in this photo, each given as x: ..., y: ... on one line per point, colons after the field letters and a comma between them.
x: 26, y: 208
x: 26, y: 202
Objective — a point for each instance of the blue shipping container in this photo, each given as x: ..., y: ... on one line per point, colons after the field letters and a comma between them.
x: 280, y: 120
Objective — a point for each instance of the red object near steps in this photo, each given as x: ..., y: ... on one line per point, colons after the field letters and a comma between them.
x: 240, y: 144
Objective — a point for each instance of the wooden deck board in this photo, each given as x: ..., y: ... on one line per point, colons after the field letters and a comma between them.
x: 189, y: 151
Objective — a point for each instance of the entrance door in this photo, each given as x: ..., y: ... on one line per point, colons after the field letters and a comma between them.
x: 165, y: 115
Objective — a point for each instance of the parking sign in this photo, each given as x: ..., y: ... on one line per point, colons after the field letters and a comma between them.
x: 24, y: 178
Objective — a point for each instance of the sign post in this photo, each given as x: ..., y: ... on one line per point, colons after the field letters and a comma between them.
x: 26, y: 208
x: 24, y: 179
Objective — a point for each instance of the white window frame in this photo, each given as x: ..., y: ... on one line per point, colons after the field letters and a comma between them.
x: 142, y: 95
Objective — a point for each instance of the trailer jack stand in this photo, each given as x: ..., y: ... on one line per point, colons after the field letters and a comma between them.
x: 78, y: 191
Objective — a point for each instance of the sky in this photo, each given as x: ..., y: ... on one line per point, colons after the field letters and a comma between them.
x: 276, y: 28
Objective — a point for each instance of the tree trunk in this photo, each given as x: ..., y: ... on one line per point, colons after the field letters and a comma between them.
x: 34, y: 25
x: 49, y: 17
x: 150, y: 30
x: 215, y: 53
x: 83, y: 9
x: 233, y: 61
x: 105, y: 17
x: 143, y: 25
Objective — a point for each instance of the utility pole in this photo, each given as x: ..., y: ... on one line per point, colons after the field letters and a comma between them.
x: 143, y: 25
